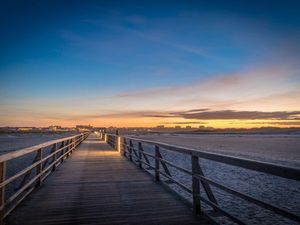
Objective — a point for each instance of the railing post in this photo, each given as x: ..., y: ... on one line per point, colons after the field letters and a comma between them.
x: 140, y: 154
x: 2, y: 190
x: 130, y: 150
x: 105, y: 137
x: 39, y: 167
x: 75, y: 142
x: 68, y: 148
x: 196, y: 185
x: 54, y: 156
x: 117, y: 141
x: 63, y: 151
x: 124, y: 146
x: 73, y: 145
x: 120, y: 147
x: 157, y: 163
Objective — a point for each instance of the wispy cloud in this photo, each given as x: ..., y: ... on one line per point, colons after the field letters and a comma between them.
x: 153, y: 35
x: 186, y: 122
x: 205, y: 114
x: 258, y: 88
x: 240, y: 115
x: 286, y: 123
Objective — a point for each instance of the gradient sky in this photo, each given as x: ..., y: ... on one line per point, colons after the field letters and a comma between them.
x: 144, y: 63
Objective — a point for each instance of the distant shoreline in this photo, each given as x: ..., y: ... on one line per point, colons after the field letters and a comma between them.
x: 238, y: 133
x: 36, y: 132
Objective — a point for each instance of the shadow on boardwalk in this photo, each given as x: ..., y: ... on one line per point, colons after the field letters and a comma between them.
x: 98, y: 186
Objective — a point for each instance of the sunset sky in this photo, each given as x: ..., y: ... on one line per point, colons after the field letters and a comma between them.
x: 145, y: 63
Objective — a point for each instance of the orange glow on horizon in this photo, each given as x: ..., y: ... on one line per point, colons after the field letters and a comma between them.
x: 153, y: 122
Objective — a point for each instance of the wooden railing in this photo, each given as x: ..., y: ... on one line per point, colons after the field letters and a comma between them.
x: 39, y: 161
x: 111, y: 140
x: 133, y: 148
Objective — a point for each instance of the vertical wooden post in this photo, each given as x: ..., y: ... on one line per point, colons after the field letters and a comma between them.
x: 63, y: 144
x: 120, y: 144
x: 140, y: 149
x: 157, y: 163
x: 117, y: 140
x: 196, y: 185
x: 68, y: 148
x: 73, y: 145
x: 39, y: 167
x: 124, y: 146
x: 2, y: 190
x: 54, y: 156
x: 130, y: 150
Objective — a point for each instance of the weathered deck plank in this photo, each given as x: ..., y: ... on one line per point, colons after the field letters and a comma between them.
x: 98, y: 186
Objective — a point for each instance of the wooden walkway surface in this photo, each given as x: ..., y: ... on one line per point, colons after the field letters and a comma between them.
x: 98, y: 186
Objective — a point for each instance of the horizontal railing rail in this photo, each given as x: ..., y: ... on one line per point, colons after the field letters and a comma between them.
x: 133, y: 149
x: 43, y: 159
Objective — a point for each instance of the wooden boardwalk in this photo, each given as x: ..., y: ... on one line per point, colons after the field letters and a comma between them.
x: 98, y: 186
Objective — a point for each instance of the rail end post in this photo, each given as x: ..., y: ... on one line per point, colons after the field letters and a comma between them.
x: 119, y: 143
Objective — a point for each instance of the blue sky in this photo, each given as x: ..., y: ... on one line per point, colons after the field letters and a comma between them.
x: 61, y: 54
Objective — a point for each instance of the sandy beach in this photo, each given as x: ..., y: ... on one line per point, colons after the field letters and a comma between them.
x: 278, y: 149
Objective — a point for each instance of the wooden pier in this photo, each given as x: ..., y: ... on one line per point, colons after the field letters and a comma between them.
x: 96, y: 185
x: 107, y: 178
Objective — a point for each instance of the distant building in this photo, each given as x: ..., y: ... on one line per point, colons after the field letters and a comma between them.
x: 177, y: 127
x: 83, y: 127
x: 54, y: 128
x: 25, y: 128
x: 160, y: 126
x: 188, y: 127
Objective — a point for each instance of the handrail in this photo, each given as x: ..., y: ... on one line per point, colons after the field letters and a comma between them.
x: 131, y: 151
x: 270, y: 168
x: 61, y: 149
x: 15, y: 154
